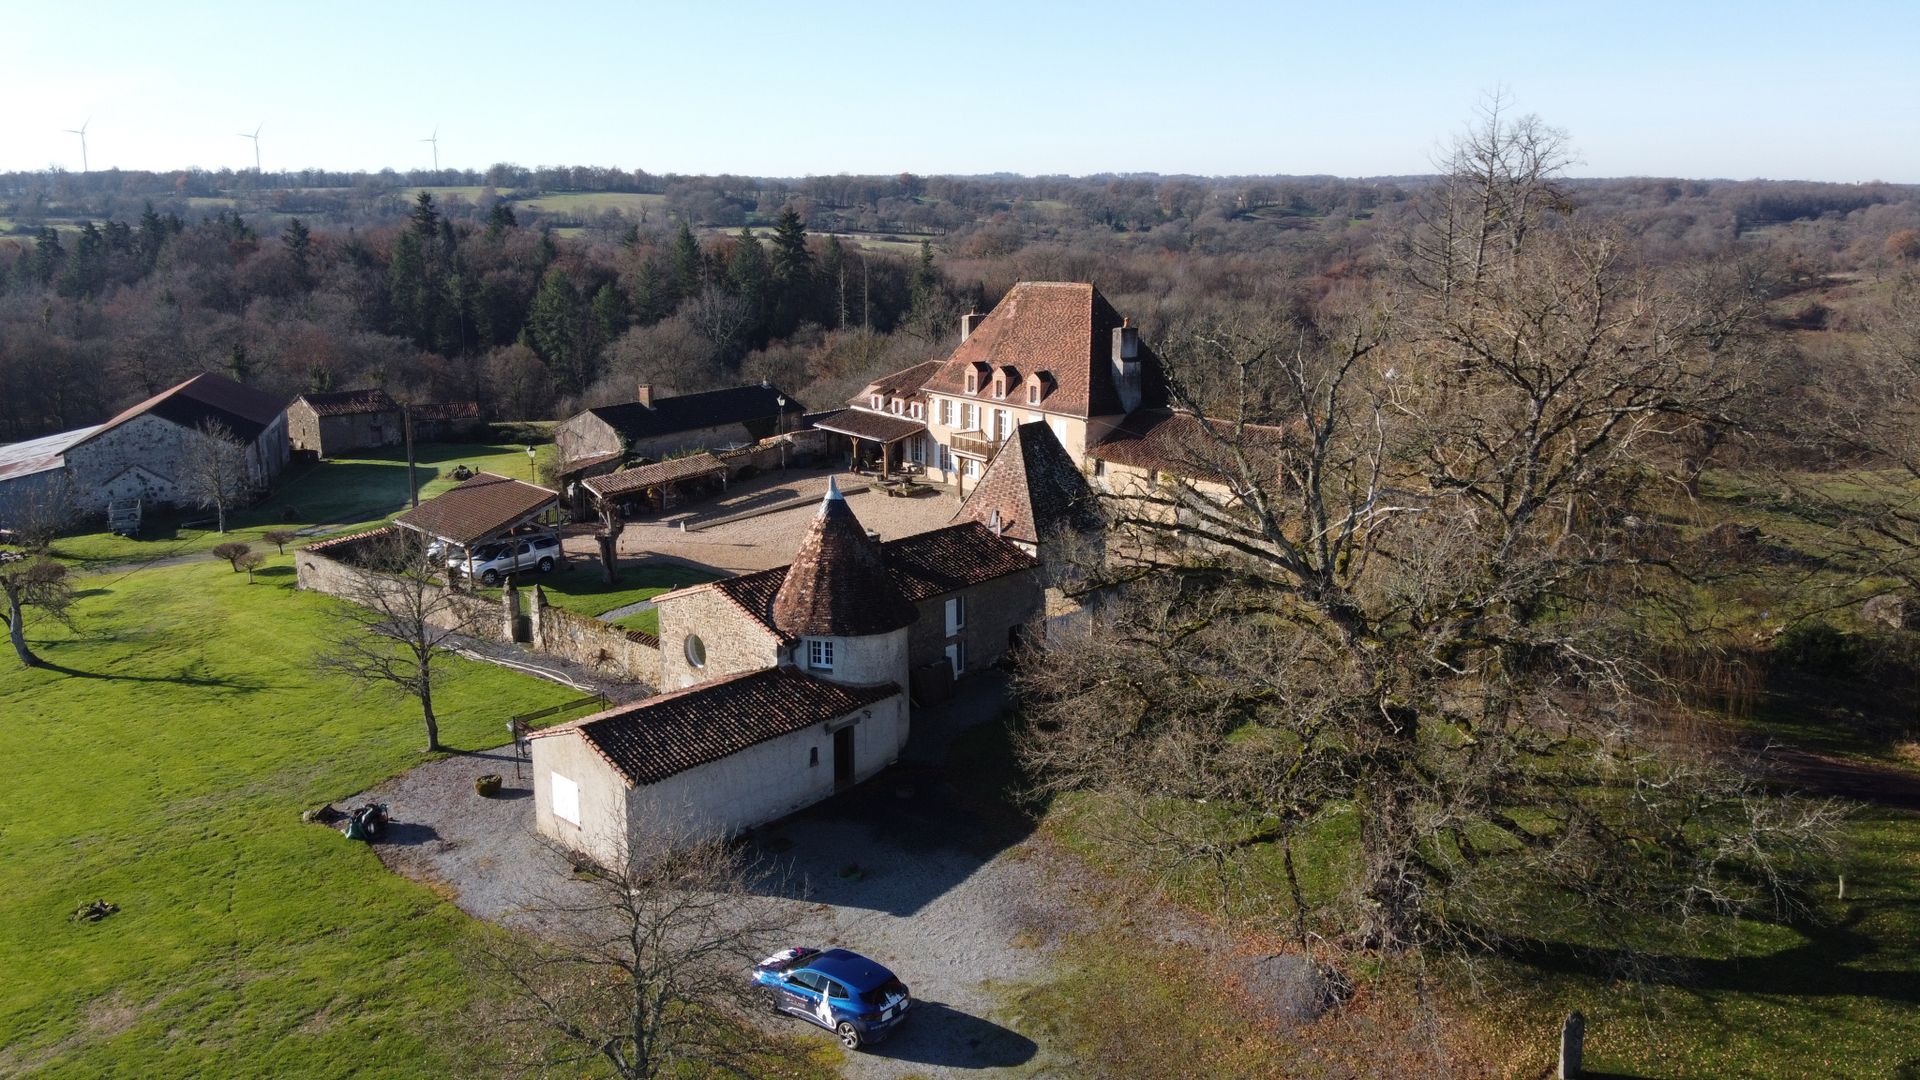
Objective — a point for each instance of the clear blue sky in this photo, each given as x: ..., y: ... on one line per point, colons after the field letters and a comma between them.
x: 1741, y: 90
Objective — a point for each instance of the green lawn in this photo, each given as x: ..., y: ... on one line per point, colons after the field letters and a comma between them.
x: 589, y: 203
x: 170, y: 780
x: 347, y: 492
x: 580, y: 589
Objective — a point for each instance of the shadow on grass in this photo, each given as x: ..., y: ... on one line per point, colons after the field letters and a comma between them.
x: 274, y: 572
x: 178, y: 680
x: 1822, y: 967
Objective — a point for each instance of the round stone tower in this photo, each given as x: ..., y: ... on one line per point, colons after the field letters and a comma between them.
x: 838, y: 600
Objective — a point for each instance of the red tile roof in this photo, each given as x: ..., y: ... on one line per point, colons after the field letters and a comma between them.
x: 837, y: 584
x: 921, y: 566
x: 1178, y: 443
x: 348, y: 402
x: 877, y: 427
x: 447, y: 410
x: 900, y: 384
x: 1033, y: 484
x: 1062, y: 330
x: 660, y: 472
x: 481, y: 507
x: 648, y: 741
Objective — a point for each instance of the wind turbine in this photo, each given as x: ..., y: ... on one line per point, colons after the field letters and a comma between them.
x: 256, y: 144
x: 82, y: 132
x: 435, y: 140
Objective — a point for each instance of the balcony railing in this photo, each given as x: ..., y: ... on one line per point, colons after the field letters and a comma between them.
x: 975, y: 447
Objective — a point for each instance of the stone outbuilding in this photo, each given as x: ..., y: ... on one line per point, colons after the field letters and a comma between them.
x: 477, y: 510
x: 142, y: 454
x: 652, y: 427
x: 331, y: 424
x: 745, y: 746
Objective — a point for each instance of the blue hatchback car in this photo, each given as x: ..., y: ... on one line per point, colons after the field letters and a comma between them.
x: 842, y: 991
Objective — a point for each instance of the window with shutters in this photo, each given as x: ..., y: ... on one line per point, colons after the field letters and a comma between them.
x: 819, y: 654
x: 956, y: 614
x: 566, y: 798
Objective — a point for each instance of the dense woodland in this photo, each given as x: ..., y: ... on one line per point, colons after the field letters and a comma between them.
x: 456, y: 284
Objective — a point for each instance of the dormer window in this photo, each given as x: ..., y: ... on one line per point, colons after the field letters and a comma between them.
x: 973, y: 383
x: 895, y: 406
x: 916, y: 410
x: 977, y: 377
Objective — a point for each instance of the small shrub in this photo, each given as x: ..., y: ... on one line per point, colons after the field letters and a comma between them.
x: 280, y: 538
x: 250, y: 562
x: 231, y: 551
x: 487, y: 785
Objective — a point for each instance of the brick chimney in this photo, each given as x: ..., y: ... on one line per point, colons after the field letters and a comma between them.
x: 969, y: 323
x: 646, y: 392
x: 1126, y: 365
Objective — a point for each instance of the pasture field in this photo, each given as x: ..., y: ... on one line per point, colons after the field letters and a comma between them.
x: 175, y: 756
x: 590, y: 203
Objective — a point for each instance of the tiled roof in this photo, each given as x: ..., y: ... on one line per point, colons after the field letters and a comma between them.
x: 651, y: 740
x: 1034, y: 486
x: 660, y: 472
x: 941, y: 561
x: 208, y: 398
x: 1061, y: 329
x: 588, y: 462
x: 691, y: 412
x: 921, y: 566
x: 1177, y: 443
x: 900, y: 384
x: 348, y: 402
x: 350, y: 539
x: 447, y: 410
x: 477, y: 509
x: 878, y: 427
x: 837, y: 584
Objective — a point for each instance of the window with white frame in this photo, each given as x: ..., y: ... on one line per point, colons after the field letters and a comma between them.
x: 917, y: 411
x: 820, y: 654
x: 566, y: 798
x: 946, y: 412
x: 972, y: 467
x: 973, y: 382
x: 1033, y: 391
x: 875, y: 402
x: 957, y: 656
x: 966, y: 416
x: 956, y: 614
x: 1000, y: 386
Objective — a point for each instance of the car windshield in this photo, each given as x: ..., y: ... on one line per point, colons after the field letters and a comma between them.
x: 879, y: 994
x: 491, y: 551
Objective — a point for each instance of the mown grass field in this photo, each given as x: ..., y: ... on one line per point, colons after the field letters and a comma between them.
x: 169, y: 779
x: 581, y: 589
x: 345, y: 492
x: 591, y: 203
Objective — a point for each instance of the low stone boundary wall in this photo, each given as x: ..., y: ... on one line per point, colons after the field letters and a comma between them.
x: 330, y: 567
x: 601, y: 646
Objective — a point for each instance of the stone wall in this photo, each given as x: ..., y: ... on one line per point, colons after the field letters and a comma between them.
x: 733, y: 640
x: 330, y: 567
x: 142, y: 458
x: 591, y: 643
x: 994, y: 610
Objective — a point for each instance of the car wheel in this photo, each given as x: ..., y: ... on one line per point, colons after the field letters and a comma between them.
x: 546, y: 565
x: 771, y: 998
x: 490, y: 577
x: 849, y: 1035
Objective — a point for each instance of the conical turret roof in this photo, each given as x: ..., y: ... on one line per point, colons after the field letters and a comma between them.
x: 838, y: 585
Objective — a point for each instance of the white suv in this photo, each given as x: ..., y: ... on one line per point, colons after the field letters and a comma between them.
x: 514, y: 555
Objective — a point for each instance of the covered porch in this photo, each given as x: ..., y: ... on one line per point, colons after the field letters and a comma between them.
x: 876, y: 442
x: 660, y: 486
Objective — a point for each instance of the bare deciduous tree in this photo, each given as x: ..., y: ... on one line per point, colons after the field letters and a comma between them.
x: 1403, y: 604
x: 214, y: 472
x: 398, y: 625
x: 280, y: 538
x: 231, y: 551
x: 641, y: 969
x: 37, y: 582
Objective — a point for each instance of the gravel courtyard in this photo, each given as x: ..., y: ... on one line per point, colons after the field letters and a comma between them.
x: 959, y: 906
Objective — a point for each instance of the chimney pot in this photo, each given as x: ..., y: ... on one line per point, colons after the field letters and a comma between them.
x: 645, y: 396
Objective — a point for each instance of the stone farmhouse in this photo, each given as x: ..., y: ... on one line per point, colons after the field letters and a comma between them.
x: 885, y: 424
x: 783, y: 686
x: 598, y: 440
x: 330, y: 424
x: 141, y: 453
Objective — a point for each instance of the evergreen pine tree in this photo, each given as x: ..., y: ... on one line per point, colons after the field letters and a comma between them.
x: 610, y: 312
x: 406, y: 276
x: 792, y: 273
x: 688, y: 265
x: 751, y: 279
x: 297, y: 240
x: 48, y: 256
x: 926, y: 282
x: 553, y: 329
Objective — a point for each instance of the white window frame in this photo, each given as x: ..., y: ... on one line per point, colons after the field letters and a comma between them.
x: 819, y: 654
x: 874, y: 402
x: 967, y: 416
x: 957, y: 657
x: 956, y: 614
x: 917, y: 411
x: 946, y: 412
x: 1000, y: 387
x: 566, y: 798
x: 973, y: 382
x: 1033, y: 391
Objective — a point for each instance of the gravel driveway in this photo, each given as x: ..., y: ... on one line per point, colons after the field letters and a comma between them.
x: 958, y: 905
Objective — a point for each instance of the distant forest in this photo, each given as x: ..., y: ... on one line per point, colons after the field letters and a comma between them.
x: 539, y: 291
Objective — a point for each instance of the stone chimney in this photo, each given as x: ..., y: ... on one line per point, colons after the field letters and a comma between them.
x: 645, y: 396
x: 1126, y: 365
x: 969, y: 323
